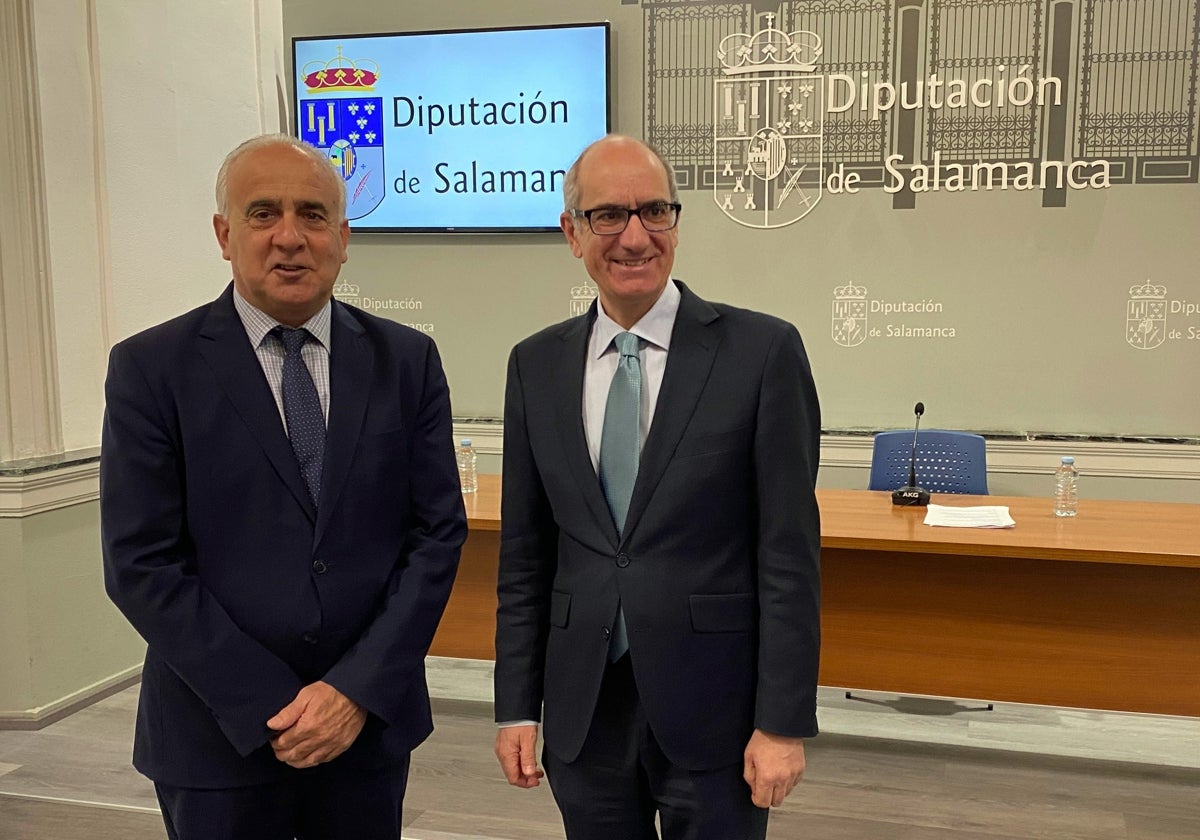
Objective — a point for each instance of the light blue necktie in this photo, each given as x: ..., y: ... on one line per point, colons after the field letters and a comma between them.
x: 302, y: 409
x: 620, y: 450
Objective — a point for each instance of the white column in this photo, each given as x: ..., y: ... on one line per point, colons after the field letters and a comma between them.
x: 30, y: 422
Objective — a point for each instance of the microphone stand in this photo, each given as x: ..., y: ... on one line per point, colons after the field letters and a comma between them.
x: 910, y: 495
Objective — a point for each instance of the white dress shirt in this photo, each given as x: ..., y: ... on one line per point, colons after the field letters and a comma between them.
x: 270, y: 352
x: 654, y: 330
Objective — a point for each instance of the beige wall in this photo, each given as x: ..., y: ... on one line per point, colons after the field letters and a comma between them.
x: 137, y: 109
x: 133, y: 104
x: 60, y: 639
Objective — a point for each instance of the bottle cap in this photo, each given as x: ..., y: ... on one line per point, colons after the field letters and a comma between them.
x: 465, y: 442
x: 1067, y: 459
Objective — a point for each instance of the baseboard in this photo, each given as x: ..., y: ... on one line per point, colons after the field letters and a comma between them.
x: 42, y: 716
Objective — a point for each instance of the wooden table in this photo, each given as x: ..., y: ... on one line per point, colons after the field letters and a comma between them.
x: 1101, y: 611
x: 468, y: 628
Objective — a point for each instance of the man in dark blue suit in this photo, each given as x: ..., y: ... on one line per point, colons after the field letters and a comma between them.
x: 281, y: 521
x: 658, y: 606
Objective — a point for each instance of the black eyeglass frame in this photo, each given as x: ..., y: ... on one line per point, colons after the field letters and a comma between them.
x: 576, y: 213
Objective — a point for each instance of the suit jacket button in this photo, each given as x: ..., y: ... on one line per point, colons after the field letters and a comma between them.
x: 319, y: 567
x: 310, y: 638
x: 622, y: 560
x: 607, y: 632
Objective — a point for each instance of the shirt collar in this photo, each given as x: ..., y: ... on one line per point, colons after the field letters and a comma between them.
x: 654, y: 327
x: 259, y: 324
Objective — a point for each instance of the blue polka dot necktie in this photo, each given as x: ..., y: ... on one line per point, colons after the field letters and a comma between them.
x: 302, y: 409
x: 620, y: 451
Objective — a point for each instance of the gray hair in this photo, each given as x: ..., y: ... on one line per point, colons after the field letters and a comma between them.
x: 264, y: 140
x: 571, y: 181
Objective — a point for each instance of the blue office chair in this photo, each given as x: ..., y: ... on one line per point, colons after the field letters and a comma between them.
x: 947, y: 462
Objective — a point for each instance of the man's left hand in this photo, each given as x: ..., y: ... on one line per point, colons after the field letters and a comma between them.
x: 773, y: 766
x: 318, y: 726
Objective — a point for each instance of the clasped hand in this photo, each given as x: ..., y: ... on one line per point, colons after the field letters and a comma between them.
x: 318, y: 726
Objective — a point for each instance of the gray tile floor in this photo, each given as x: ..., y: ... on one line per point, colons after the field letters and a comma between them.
x: 886, y: 767
x: 1078, y: 733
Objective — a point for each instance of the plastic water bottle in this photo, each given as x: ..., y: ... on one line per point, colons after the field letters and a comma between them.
x: 468, y: 474
x: 1066, y: 488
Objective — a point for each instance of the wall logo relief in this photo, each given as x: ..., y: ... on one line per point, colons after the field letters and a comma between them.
x: 1146, y: 316
x: 351, y: 293
x: 852, y: 308
x: 582, y: 297
x: 767, y: 129
x: 348, y: 131
x: 850, y: 315
x: 1152, y: 319
x: 348, y: 293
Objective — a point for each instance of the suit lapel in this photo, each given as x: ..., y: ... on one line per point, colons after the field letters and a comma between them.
x: 351, y: 369
x: 224, y: 346
x: 569, y: 371
x: 689, y: 361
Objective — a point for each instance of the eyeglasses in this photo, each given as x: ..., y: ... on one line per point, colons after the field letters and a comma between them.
x: 656, y: 217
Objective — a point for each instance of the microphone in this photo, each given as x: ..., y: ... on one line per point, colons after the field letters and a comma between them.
x: 911, y: 495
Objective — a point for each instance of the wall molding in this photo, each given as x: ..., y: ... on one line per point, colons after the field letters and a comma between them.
x: 40, y: 492
x: 43, y: 716
x: 487, y: 436
x: 27, y: 495
x: 1109, y: 459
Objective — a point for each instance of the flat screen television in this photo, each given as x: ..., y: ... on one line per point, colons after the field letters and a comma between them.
x: 453, y: 131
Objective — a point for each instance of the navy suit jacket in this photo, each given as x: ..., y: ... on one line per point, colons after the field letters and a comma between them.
x: 717, y: 569
x: 243, y: 592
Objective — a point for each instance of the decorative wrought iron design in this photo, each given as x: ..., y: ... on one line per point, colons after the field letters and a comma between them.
x: 857, y: 38
x: 972, y: 40
x: 1138, y: 86
x: 681, y: 64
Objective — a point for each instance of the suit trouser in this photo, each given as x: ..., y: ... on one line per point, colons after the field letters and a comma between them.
x: 325, y: 802
x: 621, y: 779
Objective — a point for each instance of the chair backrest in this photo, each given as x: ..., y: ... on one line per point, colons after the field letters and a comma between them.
x: 947, y: 462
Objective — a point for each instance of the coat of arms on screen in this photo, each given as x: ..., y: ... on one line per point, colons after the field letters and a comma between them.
x: 347, y: 126
x: 768, y: 127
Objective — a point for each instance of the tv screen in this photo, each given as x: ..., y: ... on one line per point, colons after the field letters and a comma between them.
x: 465, y: 130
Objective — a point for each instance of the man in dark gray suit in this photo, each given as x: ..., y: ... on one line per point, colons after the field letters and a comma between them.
x: 281, y: 520
x: 659, y: 583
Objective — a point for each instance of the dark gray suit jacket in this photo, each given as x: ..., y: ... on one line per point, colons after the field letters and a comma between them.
x: 243, y: 592
x: 717, y: 571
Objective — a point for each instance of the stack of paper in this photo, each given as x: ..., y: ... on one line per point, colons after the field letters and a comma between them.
x: 979, y: 516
